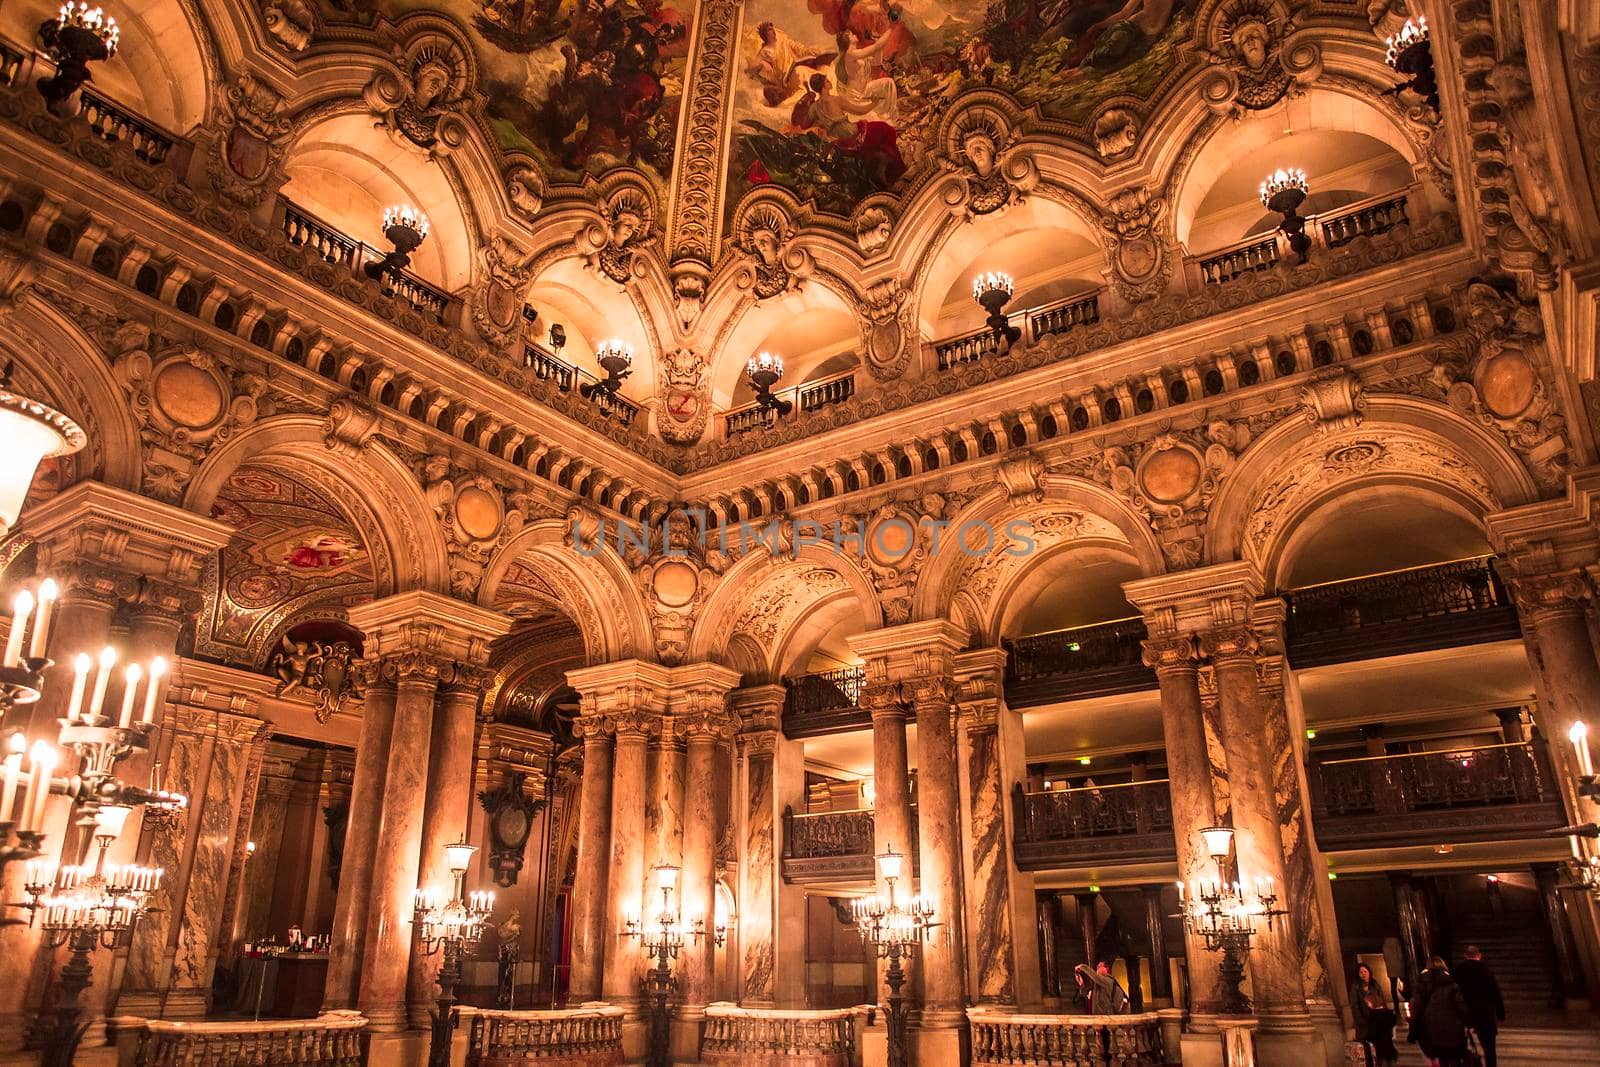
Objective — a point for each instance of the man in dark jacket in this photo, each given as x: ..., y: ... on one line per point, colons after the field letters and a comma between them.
x: 1486, y: 1010
x: 1439, y: 1016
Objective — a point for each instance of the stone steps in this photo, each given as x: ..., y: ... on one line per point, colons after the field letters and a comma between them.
x: 1527, y: 1047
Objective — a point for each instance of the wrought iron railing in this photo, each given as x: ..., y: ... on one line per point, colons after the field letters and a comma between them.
x: 736, y: 1034
x: 574, y: 1035
x: 1478, y: 793
x: 1366, y: 219
x: 1004, y: 1039
x: 824, y: 702
x: 1074, y: 664
x: 827, y: 833
x: 1093, y: 811
x: 1251, y: 255
x: 331, y: 1041
x: 1438, y: 606
x: 113, y: 123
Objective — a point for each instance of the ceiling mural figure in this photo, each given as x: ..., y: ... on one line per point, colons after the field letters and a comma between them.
x: 836, y: 100
x: 581, y: 86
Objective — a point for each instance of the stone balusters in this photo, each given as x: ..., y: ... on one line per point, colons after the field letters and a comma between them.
x: 580, y: 1037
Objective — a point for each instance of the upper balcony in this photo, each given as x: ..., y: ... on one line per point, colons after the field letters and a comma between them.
x: 831, y: 846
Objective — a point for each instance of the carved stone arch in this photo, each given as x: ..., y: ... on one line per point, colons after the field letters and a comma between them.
x: 1293, y: 470
x: 373, y: 474
x: 52, y: 354
x: 766, y: 602
x: 738, y: 313
x: 594, y: 588
x: 1060, y: 513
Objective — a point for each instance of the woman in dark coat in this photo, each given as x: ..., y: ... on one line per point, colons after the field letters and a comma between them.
x: 1439, y: 1016
x: 1374, y: 1017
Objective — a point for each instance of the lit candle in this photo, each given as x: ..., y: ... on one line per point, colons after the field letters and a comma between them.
x: 108, y: 659
x: 1579, y: 736
x: 46, y: 754
x: 48, y: 592
x: 21, y: 608
x: 42, y: 760
x: 130, y: 690
x: 13, y: 769
x: 158, y: 668
x: 80, y: 680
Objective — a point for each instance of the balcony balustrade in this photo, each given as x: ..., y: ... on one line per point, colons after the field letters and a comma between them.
x: 736, y: 1035
x: 1366, y: 219
x: 302, y: 229
x: 1487, y: 793
x: 113, y: 123
x: 1328, y: 230
x: 1042, y: 321
x: 574, y: 1037
x: 1122, y: 823
x: 1003, y: 1039
x: 806, y: 397
x: 1087, y: 661
x: 546, y: 367
x: 1240, y: 259
x: 831, y: 846
x: 11, y: 61
x: 1443, y: 606
x: 333, y: 1040
x: 825, y: 702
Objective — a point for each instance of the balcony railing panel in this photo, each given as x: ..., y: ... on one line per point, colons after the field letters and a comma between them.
x: 302, y: 229
x: 1003, y: 1039
x: 1231, y: 263
x: 1088, y: 661
x: 1111, y: 823
x: 112, y: 123
x: 1064, y: 316
x: 1477, y: 794
x: 968, y: 348
x: 331, y: 1041
x: 1366, y: 219
x: 737, y: 1035
x: 547, y: 367
x: 806, y: 397
x: 575, y: 1037
x: 825, y: 702
x: 1414, y: 610
x: 827, y: 833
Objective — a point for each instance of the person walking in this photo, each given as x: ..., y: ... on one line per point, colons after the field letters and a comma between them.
x: 1439, y: 1016
x: 1106, y: 995
x: 1374, y: 1018
x: 1486, y: 1009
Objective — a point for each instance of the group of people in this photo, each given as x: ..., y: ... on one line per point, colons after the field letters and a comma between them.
x: 1447, y: 1012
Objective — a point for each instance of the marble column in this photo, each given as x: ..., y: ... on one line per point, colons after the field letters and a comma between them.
x: 445, y: 810
x: 1567, y: 982
x: 352, y: 904
x: 591, y: 879
x: 630, y: 897
x: 1003, y: 955
x: 771, y: 912
x: 1275, y: 964
x: 1155, y: 924
x: 1416, y: 936
x: 1176, y: 663
x: 944, y: 974
x: 1554, y: 609
x: 1087, y: 926
x: 663, y: 811
x: 1049, y: 907
x: 387, y: 954
x: 891, y: 816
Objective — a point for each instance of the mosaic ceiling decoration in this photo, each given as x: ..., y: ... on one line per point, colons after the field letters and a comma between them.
x: 836, y: 100
x: 295, y: 556
x: 580, y: 85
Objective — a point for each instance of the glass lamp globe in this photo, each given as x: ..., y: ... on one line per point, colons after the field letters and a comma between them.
x: 32, y: 432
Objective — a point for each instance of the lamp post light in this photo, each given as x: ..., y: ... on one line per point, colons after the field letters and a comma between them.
x: 1224, y: 913
x: 1410, y: 55
x: 894, y: 926
x: 77, y: 36
x: 616, y: 359
x: 84, y: 908
x: 452, y: 926
x: 1285, y: 191
x: 405, y: 228
x: 992, y: 290
x: 764, y: 371
x: 32, y: 431
x: 662, y: 938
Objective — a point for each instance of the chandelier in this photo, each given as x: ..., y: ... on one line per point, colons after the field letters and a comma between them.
x: 1410, y: 54
x: 32, y: 431
x: 992, y: 290
x: 77, y: 36
x: 1225, y: 914
x: 894, y: 926
x: 405, y: 228
x: 616, y: 359
x: 1285, y: 191
x: 764, y: 371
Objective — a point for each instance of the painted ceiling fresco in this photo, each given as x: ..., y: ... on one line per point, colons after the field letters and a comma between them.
x: 295, y: 555
x: 580, y: 85
x: 838, y: 99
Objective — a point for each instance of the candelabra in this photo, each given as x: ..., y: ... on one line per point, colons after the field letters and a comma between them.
x: 661, y: 939
x: 1224, y: 914
x: 894, y: 927
x: 992, y: 290
x: 22, y: 668
x: 764, y: 371
x: 405, y: 228
x: 1410, y: 55
x: 77, y: 36
x: 616, y: 359
x: 452, y: 927
x: 1285, y: 191
x: 84, y: 908
x: 1583, y: 870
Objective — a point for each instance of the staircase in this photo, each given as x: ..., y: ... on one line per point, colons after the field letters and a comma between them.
x: 1526, y: 1047
x: 1520, y: 959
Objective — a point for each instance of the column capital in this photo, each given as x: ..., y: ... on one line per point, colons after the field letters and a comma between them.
x: 915, y: 649
x: 94, y: 523
x: 1562, y: 592
x: 1231, y: 644
x: 758, y: 708
x: 426, y: 633
x: 698, y: 701
x: 980, y: 687
x: 1552, y: 534
x: 884, y: 700
x: 1176, y: 653
x: 1189, y: 602
x: 627, y: 698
